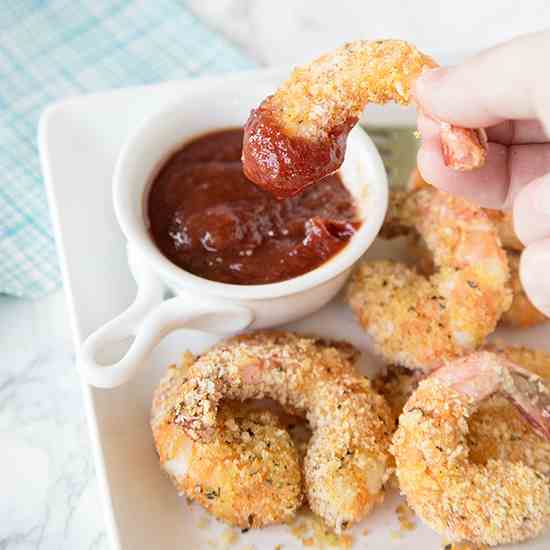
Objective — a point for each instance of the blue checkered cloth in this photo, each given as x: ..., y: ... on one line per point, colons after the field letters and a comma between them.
x: 54, y: 48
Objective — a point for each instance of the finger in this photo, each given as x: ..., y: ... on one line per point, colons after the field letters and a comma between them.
x: 505, y: 82
x: 533, y: 271
x: 494, y: 185
x: 509, y: 132
x: 532, y: 211
x: 484, y: 186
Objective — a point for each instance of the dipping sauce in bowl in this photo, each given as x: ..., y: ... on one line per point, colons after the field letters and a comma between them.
x: 206, y: 217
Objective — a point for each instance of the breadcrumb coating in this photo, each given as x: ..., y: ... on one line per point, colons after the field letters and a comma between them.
x: 249, y: 474
x: 347, y: 458
x: 521, y: 313
x: 396, y: 384
x: 417, y: 321
x: 336, y: 87
x: 497, y: 431
x: 473, y: 470
x: 502, y: 220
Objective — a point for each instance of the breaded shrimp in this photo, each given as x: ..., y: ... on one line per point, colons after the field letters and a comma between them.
x: 485, y: 494
x: 497, y: 431
x: 396, y: 384
x: 503, y: 220
x: 347, y: 458
x: 249, y: 474
x: 522, y: 313
x: 419, y: 322
x: 297, y: 136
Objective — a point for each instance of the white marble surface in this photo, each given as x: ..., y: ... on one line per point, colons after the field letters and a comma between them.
x: 48, y: 491
x: 49, y: 495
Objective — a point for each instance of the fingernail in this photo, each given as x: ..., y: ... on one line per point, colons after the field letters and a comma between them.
x: 532, y: 211
x: 534, y: 269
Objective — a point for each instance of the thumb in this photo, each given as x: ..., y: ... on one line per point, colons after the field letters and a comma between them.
x: 532, y: 226
x: 505, y: 82
x: 532, y: 211
x: 533, y: 270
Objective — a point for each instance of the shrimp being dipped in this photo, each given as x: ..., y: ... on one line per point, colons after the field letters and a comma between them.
x: 298, y: 135
x: 249, y: 474
x: 481, y: 493
x: 347, y: 459
x: 416, y: 321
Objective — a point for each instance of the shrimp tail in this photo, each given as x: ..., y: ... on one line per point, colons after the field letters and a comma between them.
x: 463, y: 148
x: 531, y: 396
x: 483, y: 374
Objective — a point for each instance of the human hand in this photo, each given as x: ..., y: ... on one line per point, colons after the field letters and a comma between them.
x: 505, y: 90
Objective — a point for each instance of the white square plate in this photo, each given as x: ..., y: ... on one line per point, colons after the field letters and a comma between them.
x: 79, y: 142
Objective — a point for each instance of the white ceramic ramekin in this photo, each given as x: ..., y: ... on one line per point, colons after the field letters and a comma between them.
x: 199, y: 303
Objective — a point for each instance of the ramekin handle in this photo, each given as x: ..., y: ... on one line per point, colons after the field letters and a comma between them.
x: 148, y: 320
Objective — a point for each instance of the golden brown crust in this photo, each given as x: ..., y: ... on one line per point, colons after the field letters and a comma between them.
x: 497, y: 431
x: 503, y: 220
x: 347, y: 458
x: 522, y: 313
x: 397, y: 384
x: 336, y: 87
x: 419, y: 322
x: 471, y: 479
x: 298, y: 135
x: 249, y: 474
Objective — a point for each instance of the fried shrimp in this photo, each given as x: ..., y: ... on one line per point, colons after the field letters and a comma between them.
x: 396, y: 385
x: 521, y: 313
x: 347, y: 458
x: 483, y: 493
x: 249, y: 474
x: 297, y: 136
x: 502, y: 220
x: 417, y: 321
